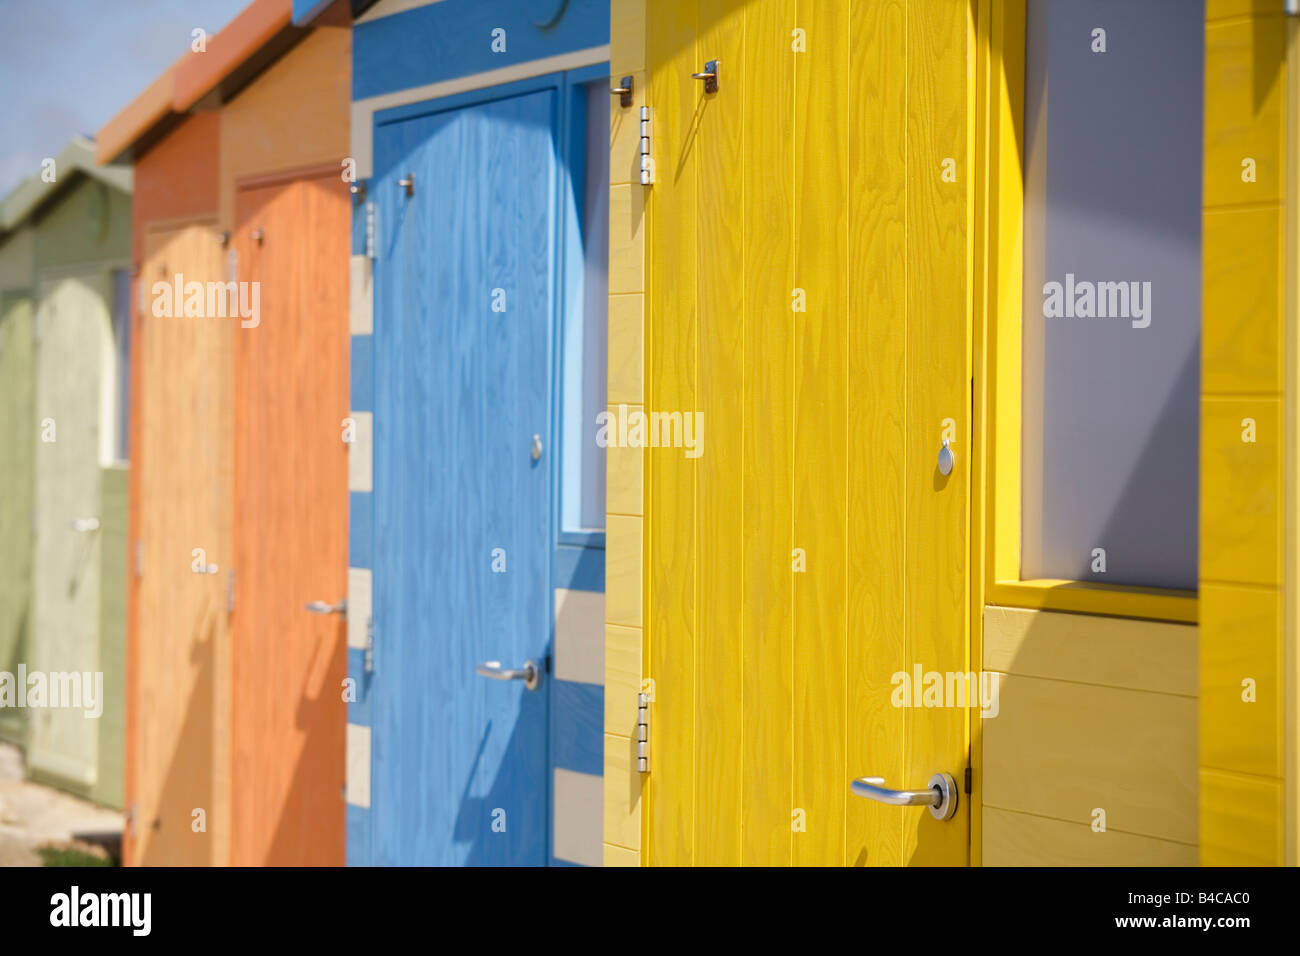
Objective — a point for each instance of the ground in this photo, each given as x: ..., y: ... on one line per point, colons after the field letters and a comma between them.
x: 33, y: 816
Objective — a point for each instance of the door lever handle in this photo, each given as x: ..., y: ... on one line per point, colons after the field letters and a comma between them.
x: 529, y: 673
x: 324, y: 607
x: 940, y: 796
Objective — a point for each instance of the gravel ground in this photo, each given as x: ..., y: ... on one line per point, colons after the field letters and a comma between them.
x: 33, y: 815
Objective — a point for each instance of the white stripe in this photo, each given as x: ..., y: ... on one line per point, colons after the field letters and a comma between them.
x: 580, y: 636
x: 358, y: 606
x: 360, y: 452
x: 579, y: 812
x: 361, y: 297
x: 358, y: 765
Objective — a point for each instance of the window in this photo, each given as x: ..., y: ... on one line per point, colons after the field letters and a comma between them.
x: 1111, y: 304
x: 583, y: 363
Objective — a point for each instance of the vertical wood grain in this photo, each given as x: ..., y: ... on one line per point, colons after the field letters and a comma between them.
x: 877, y: 394
x: 671, y: 628
x: 291, y: 395
x: 767, y: 467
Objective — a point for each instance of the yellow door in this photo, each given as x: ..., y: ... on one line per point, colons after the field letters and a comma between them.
x: 807, y: 294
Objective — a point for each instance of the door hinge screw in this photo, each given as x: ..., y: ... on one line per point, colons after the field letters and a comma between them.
x: 643, y: 733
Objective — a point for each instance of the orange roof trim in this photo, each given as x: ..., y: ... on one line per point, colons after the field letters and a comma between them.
x: 200, y: 73
x: 257, y: 27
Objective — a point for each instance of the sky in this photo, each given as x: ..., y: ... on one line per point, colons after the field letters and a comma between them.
x: 69, y: 66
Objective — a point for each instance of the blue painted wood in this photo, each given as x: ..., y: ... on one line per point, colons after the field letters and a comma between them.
x: 363, y: 373
x: 459, y: 391
x: 454, y: 38
x: 578, y: 713
x: 360, y: 529
x: 580, y: 569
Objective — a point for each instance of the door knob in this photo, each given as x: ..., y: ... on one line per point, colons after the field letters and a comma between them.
x: 946, y: 458
x: 537, y: 447
x: 530, y: 674
x: 940, y: 796
x: 324, y: 607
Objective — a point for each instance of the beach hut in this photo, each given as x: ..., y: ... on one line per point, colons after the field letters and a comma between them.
x: 476, y: 564
x: 64, y: 274
x: 990, y: 555
x: 239, y: 518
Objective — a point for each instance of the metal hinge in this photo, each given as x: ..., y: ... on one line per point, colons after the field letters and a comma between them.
x: 370, y: 230
x: 1292, y: 8
x: 968, y: 779
x: 130, y: 816
x: 139, y: 557
x: 643, y: 733
x: 647, y: 160
x: 370, y: 644
x: 230, y: 589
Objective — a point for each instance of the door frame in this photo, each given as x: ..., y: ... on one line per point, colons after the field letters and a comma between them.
x: 562, y: 546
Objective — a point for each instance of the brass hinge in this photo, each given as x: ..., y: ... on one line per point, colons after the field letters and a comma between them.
x: 643, y: 733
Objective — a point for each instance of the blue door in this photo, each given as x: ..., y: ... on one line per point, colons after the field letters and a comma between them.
x: 464, y: 305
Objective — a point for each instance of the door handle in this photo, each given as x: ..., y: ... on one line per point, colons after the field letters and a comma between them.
x: 940, y: 796
x: 324, y: 607
x: 530, y: 674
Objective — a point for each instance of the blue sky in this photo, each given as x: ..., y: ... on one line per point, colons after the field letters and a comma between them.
x: 68, y: 66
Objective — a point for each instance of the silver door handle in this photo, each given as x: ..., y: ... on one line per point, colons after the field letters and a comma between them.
x: 940, y: 796
x: 529, y: 673
x: 324, y: 607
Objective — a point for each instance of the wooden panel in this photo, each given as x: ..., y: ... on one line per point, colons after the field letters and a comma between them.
x: 622, y: 678
x: 1022, y: 839
x: 1241, y: 345
x: 109, y: 787
x: 291, y: 392
x: 177, y: 178
x: 820, y: 383
x: 627, y: 19
x: 18, y: 436
x: 296, y: 114
x: 73, y: 340
x: 624, y: 473
x: 1060, y: 749
x: 1241, y: 490
x: 1243, y: 110
x: 623, y: 787
x: 767, y: 468
x: 627, y: 234
x: 877, y: 415
x: 451, y: 375
x: 938, y: 390
x: 1241, y: 820
x: 626, y: 348
x: 1114, y: 651
x: 719, y: 399
x: 671, y: 630
x: 1242, y: 628
x: 623, y: 570
x: 179, y: 718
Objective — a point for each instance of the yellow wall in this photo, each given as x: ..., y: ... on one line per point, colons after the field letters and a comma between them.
x: 624, y: 467
x: 1242, y: 743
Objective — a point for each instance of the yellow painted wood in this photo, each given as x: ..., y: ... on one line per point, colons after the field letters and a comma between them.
x: 820, y: 395
x: 938, y: 370
x: 767, y: 470
x: 1241, y: 820
x: 626, y: 238
x: 622, y: 678
x: 1022, y: 839
x: 671, y: 627
x: 1241, y: 487
x: 1111, y: 651
x: 625, y: 130
x: 623, y: 786
x: 623, y: 570
x: 1221, y: 9
x: 627, y: 348
x: 1291, y: 271
x: 1243, y: 110
x: 623, y: 473
x: 620, y: 856
x: 877, y: 417
x: 720, y: 398
x: 626, y: 36
x: 1241, y: 337
x: 1243, y: 628
x: 1061, y: 749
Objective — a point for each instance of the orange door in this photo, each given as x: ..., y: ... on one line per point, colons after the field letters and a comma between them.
x: 179, y: 697
x: 291, y: 523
